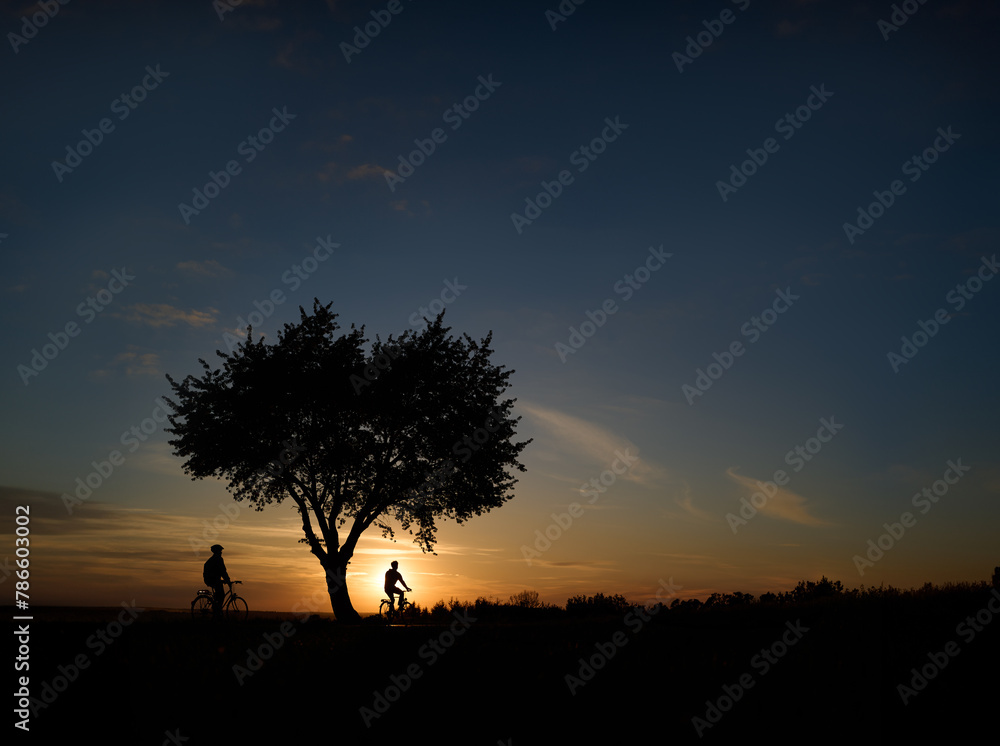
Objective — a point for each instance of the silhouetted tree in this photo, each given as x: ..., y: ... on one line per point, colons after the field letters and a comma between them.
x: 808, y: 590
x: 597, y: 604
x: 688, y: 604
x: 728, y: 600
x: 526, y: 600
x: 414, y: 433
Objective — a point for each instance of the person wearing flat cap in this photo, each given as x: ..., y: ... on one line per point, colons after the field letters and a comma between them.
x: 215, y: 577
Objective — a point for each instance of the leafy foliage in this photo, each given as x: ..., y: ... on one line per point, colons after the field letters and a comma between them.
x: 416, y: 432
x: 526, y: 600
x: 807, y: 596
x: 597, y: 604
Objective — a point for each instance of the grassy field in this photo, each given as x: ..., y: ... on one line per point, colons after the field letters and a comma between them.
x: 820, y: 670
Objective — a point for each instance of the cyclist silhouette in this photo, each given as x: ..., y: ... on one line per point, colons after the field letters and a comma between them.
x: 215, y: 576
x: 391, y: 578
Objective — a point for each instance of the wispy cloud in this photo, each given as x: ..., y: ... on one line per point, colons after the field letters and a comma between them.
x: 367, y: 171
x: 163, y: 314
x: 296, y: 53
x: 404, y: 206
x: 135, y: 362
x: 208, y: 268
x: 113, y: 553
x: 595, y: 444
x: 591, y: 565
x: 685, y: 501
x: 340, y: 173
x: 784, y: 504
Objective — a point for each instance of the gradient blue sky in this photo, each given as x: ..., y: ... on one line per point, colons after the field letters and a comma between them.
x: 323, y: 176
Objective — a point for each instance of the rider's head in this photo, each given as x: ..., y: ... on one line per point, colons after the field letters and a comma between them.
x: 216, y: 549
x: 394, y: 564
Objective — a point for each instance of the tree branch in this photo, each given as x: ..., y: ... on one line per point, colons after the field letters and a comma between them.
x: 314, y: 544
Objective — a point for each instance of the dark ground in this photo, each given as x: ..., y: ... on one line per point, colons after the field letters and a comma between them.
x: 504, y: 682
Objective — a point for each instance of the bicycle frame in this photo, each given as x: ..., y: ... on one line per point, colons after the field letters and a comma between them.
x: 389, y: 611
x: 230, y: 606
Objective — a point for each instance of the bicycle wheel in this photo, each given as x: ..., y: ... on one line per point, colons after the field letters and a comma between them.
x: 385, y: 610
x: 236, y: 609
x: 201, y: 608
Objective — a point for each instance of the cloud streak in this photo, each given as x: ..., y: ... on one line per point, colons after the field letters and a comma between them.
x: 784, y: 504
x: 163, y: 314
x: 593, y: 443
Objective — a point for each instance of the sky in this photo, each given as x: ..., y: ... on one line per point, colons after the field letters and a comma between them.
x: 740, y: 255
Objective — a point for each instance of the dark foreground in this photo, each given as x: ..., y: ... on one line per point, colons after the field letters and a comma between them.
x: 815, y: 672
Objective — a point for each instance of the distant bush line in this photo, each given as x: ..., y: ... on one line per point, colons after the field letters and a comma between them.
x: 526, y: 605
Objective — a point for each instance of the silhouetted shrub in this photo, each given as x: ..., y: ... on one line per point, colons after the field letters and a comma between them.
x: 526, y: 600
x: 598, y: 604
x: 688, y: 604
x: 821, y: 596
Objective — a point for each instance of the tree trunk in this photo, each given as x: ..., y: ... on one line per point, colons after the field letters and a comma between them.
x: 340, y: 599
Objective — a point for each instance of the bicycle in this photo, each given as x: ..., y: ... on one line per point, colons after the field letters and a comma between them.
x: 390, y: 613
x: 234, y: 608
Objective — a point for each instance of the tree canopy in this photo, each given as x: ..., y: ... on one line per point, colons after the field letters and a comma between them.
x: 413, y: 431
